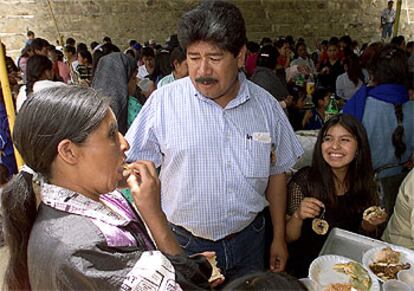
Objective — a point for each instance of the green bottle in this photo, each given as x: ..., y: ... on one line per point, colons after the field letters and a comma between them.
x: 332, y: 108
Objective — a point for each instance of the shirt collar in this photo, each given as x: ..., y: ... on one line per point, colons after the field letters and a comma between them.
x: 111, y: 209
x: 242, y: 96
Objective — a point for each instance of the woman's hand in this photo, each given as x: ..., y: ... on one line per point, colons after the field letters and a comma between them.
x: 145, y: 186
x: 308, y: 208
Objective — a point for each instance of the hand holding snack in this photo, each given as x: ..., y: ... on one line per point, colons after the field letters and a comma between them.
x: 216, y: 277
x: 145, y: 186
x: 375, y: 215
x: 309, y: 208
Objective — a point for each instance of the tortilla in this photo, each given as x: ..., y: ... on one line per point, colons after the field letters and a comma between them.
x: 320, y: 226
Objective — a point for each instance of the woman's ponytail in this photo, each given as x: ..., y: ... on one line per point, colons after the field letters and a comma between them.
x: 18, y: 203
x: 398, y: 135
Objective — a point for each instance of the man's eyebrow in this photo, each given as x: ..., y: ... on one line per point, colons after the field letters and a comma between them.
x: 208, y: 54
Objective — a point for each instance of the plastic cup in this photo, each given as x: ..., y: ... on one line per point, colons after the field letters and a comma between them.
x: 395, y: 285
x: 407, y: 276
x: 310, y: 284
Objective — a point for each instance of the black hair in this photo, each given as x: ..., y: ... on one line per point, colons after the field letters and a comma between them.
x: 217, y: 22
x: 30, y: 33
x: 265, y: 41
x: 81, y: 47
x: 70, y: 49
x: 390, y: 66
x: 93, y: 45
x: 280, y: 42
x: 354, y: 70
x: 37, y: 134
x: 178, y: 55
x: 86, y: 55
x: 70, y: 41
x: 107, y: 39
x: 38, y: 44
x: 147, y: 52
x: 253, y: 47
x: 131, y: 53
x: 36, y: 66
x: 266, y: 281
x: 334, y: 41
x: 319, y: 94
x: 359, y: 179
x: 267, y: 57
x: 132, y: 42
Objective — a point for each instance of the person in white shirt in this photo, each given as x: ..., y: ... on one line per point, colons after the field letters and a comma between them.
x: 148, y: 58
x: 178, y: 62
x: 39, y: 73
x: 223, y: 144
x: 387, y: 20
x: 350, y: 81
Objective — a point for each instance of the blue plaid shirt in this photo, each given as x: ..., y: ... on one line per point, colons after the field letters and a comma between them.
x: 216, y: 161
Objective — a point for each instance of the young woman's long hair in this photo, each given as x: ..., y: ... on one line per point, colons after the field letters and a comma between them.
x: 37, y: 65
x: 45, y: 119
x: 391, y: 67
x: 354, y: 70
x: 359, y: 179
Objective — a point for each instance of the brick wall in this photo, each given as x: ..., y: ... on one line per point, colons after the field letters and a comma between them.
x: 88, y: 20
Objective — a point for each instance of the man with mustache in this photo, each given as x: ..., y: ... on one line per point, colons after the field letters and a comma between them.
x: 223, y: 145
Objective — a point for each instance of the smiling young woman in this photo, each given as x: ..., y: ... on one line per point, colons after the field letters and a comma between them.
x: 339, y: 186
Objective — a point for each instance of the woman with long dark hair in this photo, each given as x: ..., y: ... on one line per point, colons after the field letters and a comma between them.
x: 350, y: 81
x: 385, y: 110
x: 336, y: 188
x: 79, y: 232
x: 39, y: 75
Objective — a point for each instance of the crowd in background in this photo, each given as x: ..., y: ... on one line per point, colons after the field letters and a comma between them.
x: 372, y: 83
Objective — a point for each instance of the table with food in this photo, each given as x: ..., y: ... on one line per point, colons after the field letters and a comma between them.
x: 350, y: 262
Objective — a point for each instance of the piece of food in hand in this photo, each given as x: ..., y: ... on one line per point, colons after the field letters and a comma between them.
x: 320, y: 226
x: 215, y: 274
x: 372, y: 212
x: 387, y: 263
x: 127, y: 171
x: 339, y: 287
x: 359, y: 277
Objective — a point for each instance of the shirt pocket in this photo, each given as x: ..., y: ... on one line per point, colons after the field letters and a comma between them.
x: 256, y: 161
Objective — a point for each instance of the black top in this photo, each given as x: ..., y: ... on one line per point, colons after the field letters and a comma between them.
x: 329, y: 80
x: 303, y: 251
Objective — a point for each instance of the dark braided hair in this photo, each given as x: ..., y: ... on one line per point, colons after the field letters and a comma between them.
x: 36, y: 66
x: 398, y: 134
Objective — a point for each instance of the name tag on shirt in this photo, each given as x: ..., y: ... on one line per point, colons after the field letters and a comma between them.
x: 263, y: 137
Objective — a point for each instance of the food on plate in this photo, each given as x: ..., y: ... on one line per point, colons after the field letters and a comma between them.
x: 215, y: 274
x: 339, y: 287
x: 320, y: 226
x: 387, y: 263
x: 374, y: 211
x: 359, y: 277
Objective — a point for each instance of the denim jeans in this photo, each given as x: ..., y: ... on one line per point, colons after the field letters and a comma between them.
x: 237, y: 254
x: 387, y: 30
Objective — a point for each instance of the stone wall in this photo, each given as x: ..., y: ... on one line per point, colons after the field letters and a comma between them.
x: 88, y: 20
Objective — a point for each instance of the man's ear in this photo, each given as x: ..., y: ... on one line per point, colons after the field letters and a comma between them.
x: 68, y: 152
x: 241, y: 57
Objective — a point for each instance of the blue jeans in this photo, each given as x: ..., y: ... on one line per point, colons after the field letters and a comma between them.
x: 237, y: 255
x: 387, y: 30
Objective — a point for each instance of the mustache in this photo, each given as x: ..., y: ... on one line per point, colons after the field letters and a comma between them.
x: 206, y: 80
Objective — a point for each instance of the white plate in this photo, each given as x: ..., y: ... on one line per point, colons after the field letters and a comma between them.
x: 407, y: 256
x: 322, y: 272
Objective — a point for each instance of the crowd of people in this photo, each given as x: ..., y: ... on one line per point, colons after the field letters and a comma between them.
x: 205, y: 166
